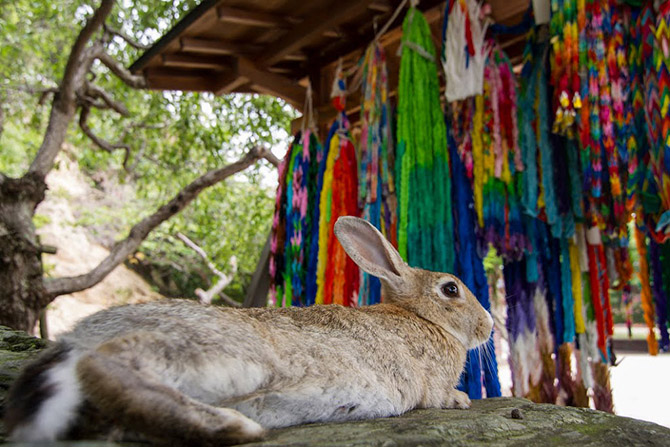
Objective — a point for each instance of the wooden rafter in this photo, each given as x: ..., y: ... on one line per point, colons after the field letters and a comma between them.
x: 263, y: 81
x: 250, y: 18
x: 229, y: 82
x: 380, y: 6
x: 311, y: 27
x: 333, y: 33
x: 297, y: 56
x: 191, y: 61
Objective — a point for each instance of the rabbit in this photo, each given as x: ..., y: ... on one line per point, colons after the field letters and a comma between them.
x: 185, y: 373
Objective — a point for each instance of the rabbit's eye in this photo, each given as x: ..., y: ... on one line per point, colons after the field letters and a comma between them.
x: 450, y: 289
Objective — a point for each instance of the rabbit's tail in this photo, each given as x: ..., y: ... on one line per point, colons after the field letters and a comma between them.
x: 43, y: 402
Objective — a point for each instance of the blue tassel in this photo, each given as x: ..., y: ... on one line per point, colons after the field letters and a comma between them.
x: 566, y: 289
x: 470, y: 268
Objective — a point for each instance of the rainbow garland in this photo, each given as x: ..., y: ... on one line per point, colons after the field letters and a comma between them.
x: 425, y: 223
x: 566, y: 100
x: 660, y: 152
x: 486, y: 136
x: 501, y: 205
x: 293, y: 224
x: 337, y: 276
x: 376, y: 185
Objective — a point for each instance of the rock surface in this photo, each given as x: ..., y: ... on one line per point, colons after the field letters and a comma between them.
x: 490, y: 422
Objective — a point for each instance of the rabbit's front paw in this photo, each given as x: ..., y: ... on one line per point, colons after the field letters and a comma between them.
x: 458, y: 399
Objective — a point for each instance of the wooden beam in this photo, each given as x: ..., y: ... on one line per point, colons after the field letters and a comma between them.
x: 333, y: 33
x: 297, y: 56
x: 323, y: 20
x: 514, y: 40
x: 250, y: 18
x: 174, y: 72
x: 229, y: 83
x: 379, y: 6
x: 348, y: 43
x: 280, y: 70
x: 215, y: 47
x: 271, y: 83
x: 191, y: 84
x: 192, y: 61
x: 257, y: 293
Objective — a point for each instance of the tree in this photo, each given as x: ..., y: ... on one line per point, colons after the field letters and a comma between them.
x: 79, y: 96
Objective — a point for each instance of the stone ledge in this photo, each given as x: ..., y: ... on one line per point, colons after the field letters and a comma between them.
x: 489, y: 422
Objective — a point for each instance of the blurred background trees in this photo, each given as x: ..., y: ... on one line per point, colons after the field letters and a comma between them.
x: 165, y: 141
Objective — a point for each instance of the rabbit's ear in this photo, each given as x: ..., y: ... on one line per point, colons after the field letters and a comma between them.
x: 370, y: 250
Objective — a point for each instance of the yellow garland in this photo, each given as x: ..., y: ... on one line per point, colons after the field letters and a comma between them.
x: 576, y: 273
x: 478, y: 157
x: 324, y: 217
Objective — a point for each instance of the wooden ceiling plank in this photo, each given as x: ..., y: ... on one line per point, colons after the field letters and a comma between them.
x: 316, y: 25
x: 250, y: 18
x: 192, y: 61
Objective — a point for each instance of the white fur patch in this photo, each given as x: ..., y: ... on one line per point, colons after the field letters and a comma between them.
x: 221, y: 379
x: 56, y: 413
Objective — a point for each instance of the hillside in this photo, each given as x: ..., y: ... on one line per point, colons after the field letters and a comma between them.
x: 70, y: 195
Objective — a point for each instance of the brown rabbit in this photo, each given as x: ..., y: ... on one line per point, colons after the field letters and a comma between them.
x: 181, y: 372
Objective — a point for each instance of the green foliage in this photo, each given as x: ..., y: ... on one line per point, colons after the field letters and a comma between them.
x: 175, y: 137
x: 41, y: 220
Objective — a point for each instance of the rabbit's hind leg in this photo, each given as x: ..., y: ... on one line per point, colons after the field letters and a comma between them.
x: 306, y: 403
x: 138, y: 399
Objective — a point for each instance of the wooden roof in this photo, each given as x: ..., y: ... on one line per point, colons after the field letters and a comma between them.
x: 274, y: 46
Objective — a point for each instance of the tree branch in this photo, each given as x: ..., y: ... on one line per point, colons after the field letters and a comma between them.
x: 122, y: 249
x: 93, y: 91
x: 70, y: 83
x: 64, y: 103
x: 135, y: 81
x: 129, y: 40
x: 270, y: 157
x: 101, y: 143
x: 206, y: 296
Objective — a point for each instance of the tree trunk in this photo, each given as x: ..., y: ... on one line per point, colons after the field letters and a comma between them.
x: 22, y: 293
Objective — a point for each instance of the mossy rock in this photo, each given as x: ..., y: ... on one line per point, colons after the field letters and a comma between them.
x: 490, y: 422
x: 16, y: 348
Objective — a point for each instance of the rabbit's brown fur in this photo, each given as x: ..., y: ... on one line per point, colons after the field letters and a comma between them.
x: 185, y: 373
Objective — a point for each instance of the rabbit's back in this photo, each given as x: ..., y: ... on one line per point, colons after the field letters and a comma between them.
x: 212, y: 353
